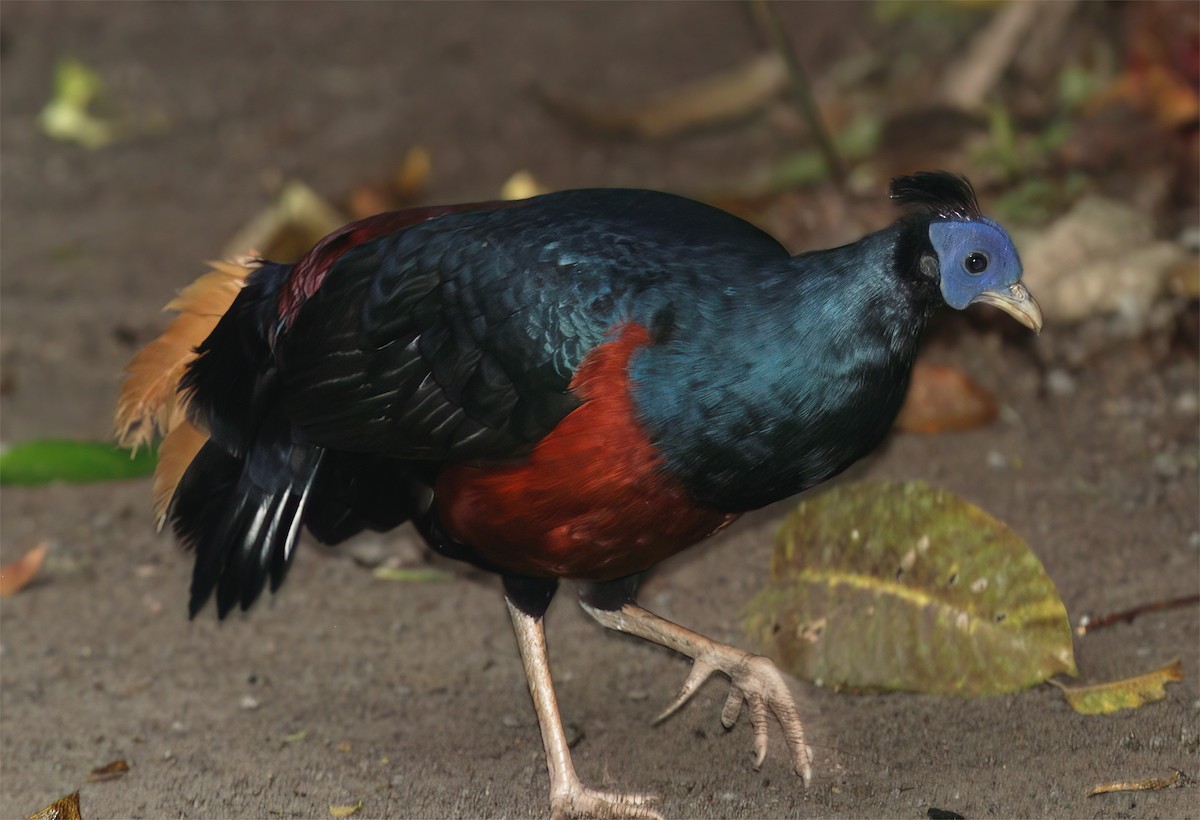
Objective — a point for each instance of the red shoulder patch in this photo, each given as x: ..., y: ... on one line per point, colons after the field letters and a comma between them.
x: 310, y: 271
x: 592, y: 501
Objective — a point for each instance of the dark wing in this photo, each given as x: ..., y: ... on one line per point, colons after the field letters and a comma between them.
x: 457, y: 338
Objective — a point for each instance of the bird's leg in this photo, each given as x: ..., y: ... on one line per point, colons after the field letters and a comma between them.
x: 754, y: 679
x: 568, y: 796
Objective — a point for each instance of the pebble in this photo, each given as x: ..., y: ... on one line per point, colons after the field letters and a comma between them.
x: 1187, y: 404
x: 996, y: 460
x: 248, y: 703
x: 1060, y: 382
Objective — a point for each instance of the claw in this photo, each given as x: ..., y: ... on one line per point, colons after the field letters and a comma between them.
x: 701, y: 672
x: 758, y: 720
x: 754, y: 680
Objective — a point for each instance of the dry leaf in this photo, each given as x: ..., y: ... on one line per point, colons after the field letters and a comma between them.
x: 64, y: 808
x: 1130, y: 693
x: 885, y: 586
x: 1144, y: 785
x: 722, y: 97
x: 346, y: 811
x: 521, y: 185
x: 289, y: 228
x: 368, y: 200
x: 411, y: 177
x: 942, y: 398
x: 110, y: 771
x: 405, y: 185
x: 16, y: 576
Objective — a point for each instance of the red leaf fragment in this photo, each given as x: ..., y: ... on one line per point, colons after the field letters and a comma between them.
x: 16, y: 576
x: 942, y: 398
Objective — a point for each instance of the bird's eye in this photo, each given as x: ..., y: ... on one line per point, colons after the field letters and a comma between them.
x: 975, y: 263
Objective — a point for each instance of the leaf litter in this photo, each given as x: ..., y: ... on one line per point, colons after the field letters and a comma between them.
x: 889, y: 586
x: 109, y: 771
x: 943, y: 398
x: 64, y: 808
x: 17, y: 575
x: 1118, y: 695
x: 1142, y: 785
x: 346, y: 811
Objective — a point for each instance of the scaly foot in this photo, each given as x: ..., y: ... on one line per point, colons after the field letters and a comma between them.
x: 578, y: 801
x: 755, y: 680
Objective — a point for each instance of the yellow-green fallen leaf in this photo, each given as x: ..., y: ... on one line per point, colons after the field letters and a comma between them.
x: 1130, y: 693
x: 296, y: 737
x: 521, y: 185
x: 64, y: 808
x: 39, y: 462
x: 411, y: 576
x: 288, y: 228
x: 346, y: 811
x: 1146, y: 784
x: 882, y: 586
x: 67, y: 116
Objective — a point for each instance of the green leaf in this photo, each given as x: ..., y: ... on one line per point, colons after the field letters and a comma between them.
x: 67, y: 115
x: 881, y: 586
x: 39, y: 462
x: 412, y: 576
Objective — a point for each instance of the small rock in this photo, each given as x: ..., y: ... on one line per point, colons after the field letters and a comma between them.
x: 996, y: 460
x: 369, y: 552
x: 1060, y: 382
x: 1186, y: 404
x: 248, y: 703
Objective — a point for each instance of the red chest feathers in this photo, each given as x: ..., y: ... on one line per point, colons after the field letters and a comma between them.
x: 591, y: 501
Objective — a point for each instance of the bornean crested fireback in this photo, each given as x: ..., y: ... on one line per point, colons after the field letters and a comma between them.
x: 576, y: 386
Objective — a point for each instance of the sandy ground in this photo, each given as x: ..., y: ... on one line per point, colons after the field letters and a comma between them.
x: 411, y: 698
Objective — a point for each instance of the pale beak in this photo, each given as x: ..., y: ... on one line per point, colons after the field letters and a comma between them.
x: 1017, y: 302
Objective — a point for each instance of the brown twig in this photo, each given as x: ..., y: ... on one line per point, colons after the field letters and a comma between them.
x: 768, y: 23
x: 1087, y: 624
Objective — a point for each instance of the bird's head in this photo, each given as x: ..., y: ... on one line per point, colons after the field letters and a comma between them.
x: 975, y: 258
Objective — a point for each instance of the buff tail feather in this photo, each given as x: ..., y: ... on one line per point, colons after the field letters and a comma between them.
x: 150, y: 405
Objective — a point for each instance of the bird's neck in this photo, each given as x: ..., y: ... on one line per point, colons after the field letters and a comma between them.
x: 778, y: 384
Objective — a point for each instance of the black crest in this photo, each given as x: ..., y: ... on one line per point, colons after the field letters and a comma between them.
x: 938, y: 192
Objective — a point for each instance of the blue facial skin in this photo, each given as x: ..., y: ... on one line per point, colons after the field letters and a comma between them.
x: 976, y: 256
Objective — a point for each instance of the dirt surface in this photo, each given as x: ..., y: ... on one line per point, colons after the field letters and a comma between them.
x: 410, y: 697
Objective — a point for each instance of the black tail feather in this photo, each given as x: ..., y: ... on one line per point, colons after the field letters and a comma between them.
x: 242, y: 516
x: 233, y: 377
